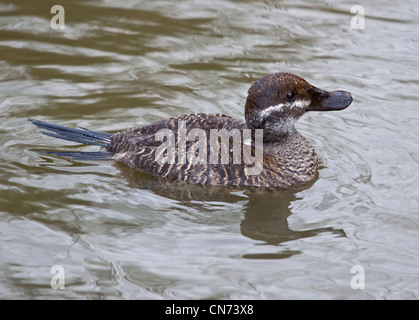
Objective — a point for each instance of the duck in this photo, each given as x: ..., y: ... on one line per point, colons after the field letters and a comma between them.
x: 264, y: 151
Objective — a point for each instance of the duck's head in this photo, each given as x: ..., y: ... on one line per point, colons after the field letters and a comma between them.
x: 275, y: 102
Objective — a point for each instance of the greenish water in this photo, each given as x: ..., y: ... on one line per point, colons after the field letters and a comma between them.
x: 118, y: 234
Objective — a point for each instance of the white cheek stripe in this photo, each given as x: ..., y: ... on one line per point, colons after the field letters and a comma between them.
x: 297, y: 104
x: 267, y: 112
x: 283, y: 125
x: 300, y: 104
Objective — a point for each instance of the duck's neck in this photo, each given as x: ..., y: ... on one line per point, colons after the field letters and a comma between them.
x: 277, y: 123
x: 279, y: 131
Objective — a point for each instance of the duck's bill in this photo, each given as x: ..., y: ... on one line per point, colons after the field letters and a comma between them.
x: 328, y: 101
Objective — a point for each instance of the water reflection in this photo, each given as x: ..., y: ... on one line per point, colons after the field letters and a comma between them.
x: 266, y: 212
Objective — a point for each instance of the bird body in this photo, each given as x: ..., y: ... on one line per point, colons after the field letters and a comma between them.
x: 216, y: 149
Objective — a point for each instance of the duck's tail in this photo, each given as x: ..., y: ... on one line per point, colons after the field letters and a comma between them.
x: 81, y: 135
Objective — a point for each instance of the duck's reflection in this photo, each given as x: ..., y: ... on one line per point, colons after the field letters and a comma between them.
x: 265, y: 213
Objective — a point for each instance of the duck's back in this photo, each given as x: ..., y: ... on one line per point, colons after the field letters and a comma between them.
x: 141, y: 148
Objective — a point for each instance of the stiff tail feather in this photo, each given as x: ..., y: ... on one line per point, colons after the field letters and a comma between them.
x: 81, y: 135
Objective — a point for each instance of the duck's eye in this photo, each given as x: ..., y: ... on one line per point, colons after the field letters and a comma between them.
x: 290, y: 95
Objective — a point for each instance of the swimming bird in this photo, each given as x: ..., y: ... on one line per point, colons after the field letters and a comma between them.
x: 218, y: 150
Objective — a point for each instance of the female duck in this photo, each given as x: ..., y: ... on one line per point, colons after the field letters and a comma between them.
x: 185, y: 148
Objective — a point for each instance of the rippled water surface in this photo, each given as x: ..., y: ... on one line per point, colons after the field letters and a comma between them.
x: 119, y: 234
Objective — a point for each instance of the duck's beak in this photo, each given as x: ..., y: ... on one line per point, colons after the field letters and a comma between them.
x: 327, y: 101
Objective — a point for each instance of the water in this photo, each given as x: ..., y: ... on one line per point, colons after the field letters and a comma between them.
x: 118, y: 234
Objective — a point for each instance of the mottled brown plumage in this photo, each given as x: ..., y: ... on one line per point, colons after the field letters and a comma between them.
x: 273, y: 104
